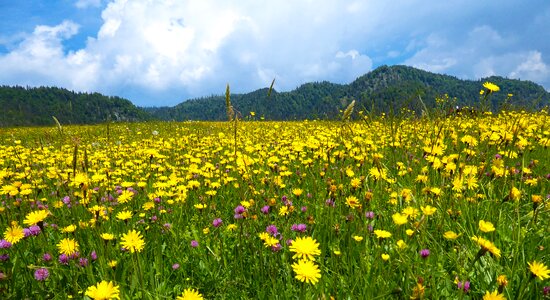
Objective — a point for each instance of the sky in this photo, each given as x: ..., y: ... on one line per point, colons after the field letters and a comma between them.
x: 162, y: 52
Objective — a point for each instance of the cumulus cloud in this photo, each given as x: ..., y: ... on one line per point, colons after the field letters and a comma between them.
x: 482, y: 52
x: 162, y: 52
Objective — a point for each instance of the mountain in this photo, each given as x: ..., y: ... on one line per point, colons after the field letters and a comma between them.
x: 385, y: 89
x: 36, y: 106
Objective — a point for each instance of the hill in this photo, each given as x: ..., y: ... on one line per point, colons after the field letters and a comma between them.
x: 385, y: 89
x: 36, y: 106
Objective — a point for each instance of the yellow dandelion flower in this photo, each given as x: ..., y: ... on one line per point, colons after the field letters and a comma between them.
x: 487, y: 245
x: 14, y: 234
x: 486, y: 226
x: 190, y: 294
x: 539, y: 270
x: 352, y: 202
x: 124, y: 215
x: 68, y: 229
x: 357, y: 238
x: 493, y: 296
x: 67, y: 246
x: 428, y: 210
x: 35, y: 217
x: 450, y: 235
x: 103, y: 290
x: 491, y: 87
x: 306, y: 271
x: 399, y: 219
x: 132, y: 241
x: 382, y: 234
x: 107, y: 236
x: 305, y: 248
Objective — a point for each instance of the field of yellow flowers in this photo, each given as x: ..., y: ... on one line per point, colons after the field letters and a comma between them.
x: 452, y: 207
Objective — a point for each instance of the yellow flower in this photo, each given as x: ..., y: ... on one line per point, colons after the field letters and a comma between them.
x: 132, y: 241
x: 124, y: 215
x: 107, y: 236
x: 493, y: 296
x: 539, y: 270
x: 486, y: 226
x: 401, y: 244
x: 190, y: 294
x: 385, y: 256
x: 399, y: 219
x: 352, y: 202
x: 69, y: 229
x: 305, y: 248
x: 487, y: 245
x: 14, y: 234
x: 35, y: 217
x: 297, y: 192
x: 382, y: 234
x: 409, y: 232
x: 68, y: 246
x: 357, y: 238
x: 306, y: 271
x: 450, y: 235
x: 491, y: 87
x: 103, y: 290
x: 428, y: 210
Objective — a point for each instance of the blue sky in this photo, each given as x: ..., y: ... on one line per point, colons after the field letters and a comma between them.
x: 161, y: 52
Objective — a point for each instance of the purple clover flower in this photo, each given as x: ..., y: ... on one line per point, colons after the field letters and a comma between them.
x: 271, y: 229
x: 424, y: 253
x: 5, y: 244
x: 194, y: 244
x: 217, y: 222
x: 265, y: 209
x: 41, y: 274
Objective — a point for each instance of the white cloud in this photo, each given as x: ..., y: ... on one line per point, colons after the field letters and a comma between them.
x: 172, y: 50
x: 482, y: 52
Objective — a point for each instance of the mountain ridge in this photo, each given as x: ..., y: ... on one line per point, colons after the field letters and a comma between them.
x: 382, y: 90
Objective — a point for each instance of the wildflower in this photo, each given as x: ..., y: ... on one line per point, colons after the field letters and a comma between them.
x: 93, y: 255
x: 175, y: 266
x: 299, y: 227
x: 357, y: 238
x: 491, y: 87
x: 5, y: 244
x: 305, y: 248
x: 450, y: 235
x: 83, y: 261
x: 35, y: 217
x: 63, y: 259
x: 493, y: 296
x: 194, y: 244
x: 265, y: 209
x: 428, y: 210
x: 369, y: 215
x: 14, y: 234
x: 103, y: 290
x: 107, y: 236
x: 424, y: 253
x: 306, y: 271
x: 132, y: 241
x: 385, y: 256
x: 124, y: 215
x: 352, y: 202
x: 401, y: 244
x: 231, y: 227
x: 486, y: 245
x: 486, y: 226
x: 382, y: 234
x: 399, y: 219
x: 41, y: 274
x: 68, y: 246
x: 217, y: 222
x: 69, y: 229
x: 190, y: 294
x: 297, y: 192
x: 34, y: 230
x: 271, y: 229
x: 46, y: 257
x: 112, y: 263
x: 539, y: 270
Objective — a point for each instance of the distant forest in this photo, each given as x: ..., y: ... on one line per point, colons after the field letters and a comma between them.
x: 384, y: 90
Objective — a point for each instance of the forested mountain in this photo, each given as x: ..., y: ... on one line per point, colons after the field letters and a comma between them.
x: 36, y: 106
x: 386, y: 89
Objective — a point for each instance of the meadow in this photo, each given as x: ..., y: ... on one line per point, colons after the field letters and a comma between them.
x: 445, y: 206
